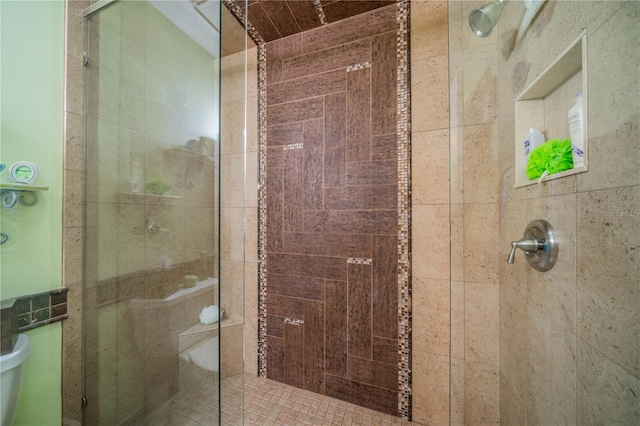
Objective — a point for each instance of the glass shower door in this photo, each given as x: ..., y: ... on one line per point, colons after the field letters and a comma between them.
x: 151, y: 305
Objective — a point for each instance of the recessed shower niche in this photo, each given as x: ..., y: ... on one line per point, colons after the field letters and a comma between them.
x: 545, y: 103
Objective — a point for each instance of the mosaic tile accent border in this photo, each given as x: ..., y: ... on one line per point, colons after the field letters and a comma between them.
x: 35, y: 310
x: 357, y: 67
x: 320, y: 12
x: 404, y: 212
x: 359, y: 261
x: 262, y: 211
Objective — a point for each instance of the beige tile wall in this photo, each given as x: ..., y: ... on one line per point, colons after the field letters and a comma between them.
x: 430, y: 213
x: 455, y: 194
x: 474, y: 152
x: 239, y: 201
x: 570, y: 338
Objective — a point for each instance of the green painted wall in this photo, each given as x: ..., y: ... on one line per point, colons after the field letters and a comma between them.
x: 31, y: 122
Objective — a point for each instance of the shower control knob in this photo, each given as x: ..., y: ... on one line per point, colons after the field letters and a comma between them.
x: 527, y: 244
x: 539, y: 244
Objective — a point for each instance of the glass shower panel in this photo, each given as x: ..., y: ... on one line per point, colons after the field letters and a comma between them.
x: 152, y: 213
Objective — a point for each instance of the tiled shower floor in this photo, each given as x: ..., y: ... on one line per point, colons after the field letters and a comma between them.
x: 266, y: 403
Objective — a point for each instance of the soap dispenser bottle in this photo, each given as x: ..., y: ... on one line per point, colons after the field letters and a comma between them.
x: 576, y: 131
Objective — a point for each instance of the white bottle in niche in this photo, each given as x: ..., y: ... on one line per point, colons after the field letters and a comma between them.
x: 576, y: 131
x: 533, y: 139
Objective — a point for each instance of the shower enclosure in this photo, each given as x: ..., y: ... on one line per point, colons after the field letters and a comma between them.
x: 160, y: 304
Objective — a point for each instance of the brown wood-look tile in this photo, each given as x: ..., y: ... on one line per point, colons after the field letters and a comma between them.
x: 285, y: 307
x: 351, y: 222
x: 289, y: 112
x: 307, y: 87
x: 385, y: 350
x: 346, y: 9
x: 332, y: 268
x: 275, y: 326
x: 291, y: 46
x: 340, y: 245
x: 372, y: 173
x: 314, y: 346
x: 285, y: 134
x: 384, y: 85
x: 385, y: 286
x: 260, y: 20
x: 281, y: 17
x: 336, y: 327
x: 359, y: 115
x: 275, y: 198
x: 275, y: 358
x: 335, y: 132
x: 359, y: 283
x: 305, y: 13
x: 274, y: 62
x: 373, y: 373
x: 377, y: 197
x: 325, y: 60
x: 373, y: 397
x: 293, y: 356
x: 313, y: 164
x: 384, y: 147
x: 293, y: 190
x: 293, y: 286
x: 376, y: 22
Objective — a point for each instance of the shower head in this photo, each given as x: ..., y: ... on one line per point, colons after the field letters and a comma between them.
x: 484, y: 19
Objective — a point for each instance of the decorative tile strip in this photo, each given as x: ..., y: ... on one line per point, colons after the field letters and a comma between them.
x: 359, y: 261
x: 40, y: 309
x: 360, y: 66
x: 293, y: 321
x: 237, y: 13
x: 262, y: 211
x: 294, y: 146
x: 320, y: 12
x: 404, y: 211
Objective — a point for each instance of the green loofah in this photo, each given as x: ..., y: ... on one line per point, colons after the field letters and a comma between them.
x: 157, y: 186
x: 554, y: 156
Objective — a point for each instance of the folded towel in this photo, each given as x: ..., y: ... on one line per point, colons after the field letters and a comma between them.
x: 209, y: 315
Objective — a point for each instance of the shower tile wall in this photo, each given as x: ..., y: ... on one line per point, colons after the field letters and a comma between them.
x: 239, y: 210
x: 528, y: 347
x: 332, y: 316
x: 430, y: 212
x: 475, y: 192
x: 570, y: 338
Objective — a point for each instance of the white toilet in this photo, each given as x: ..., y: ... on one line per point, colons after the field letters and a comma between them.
x: 11, y: 367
